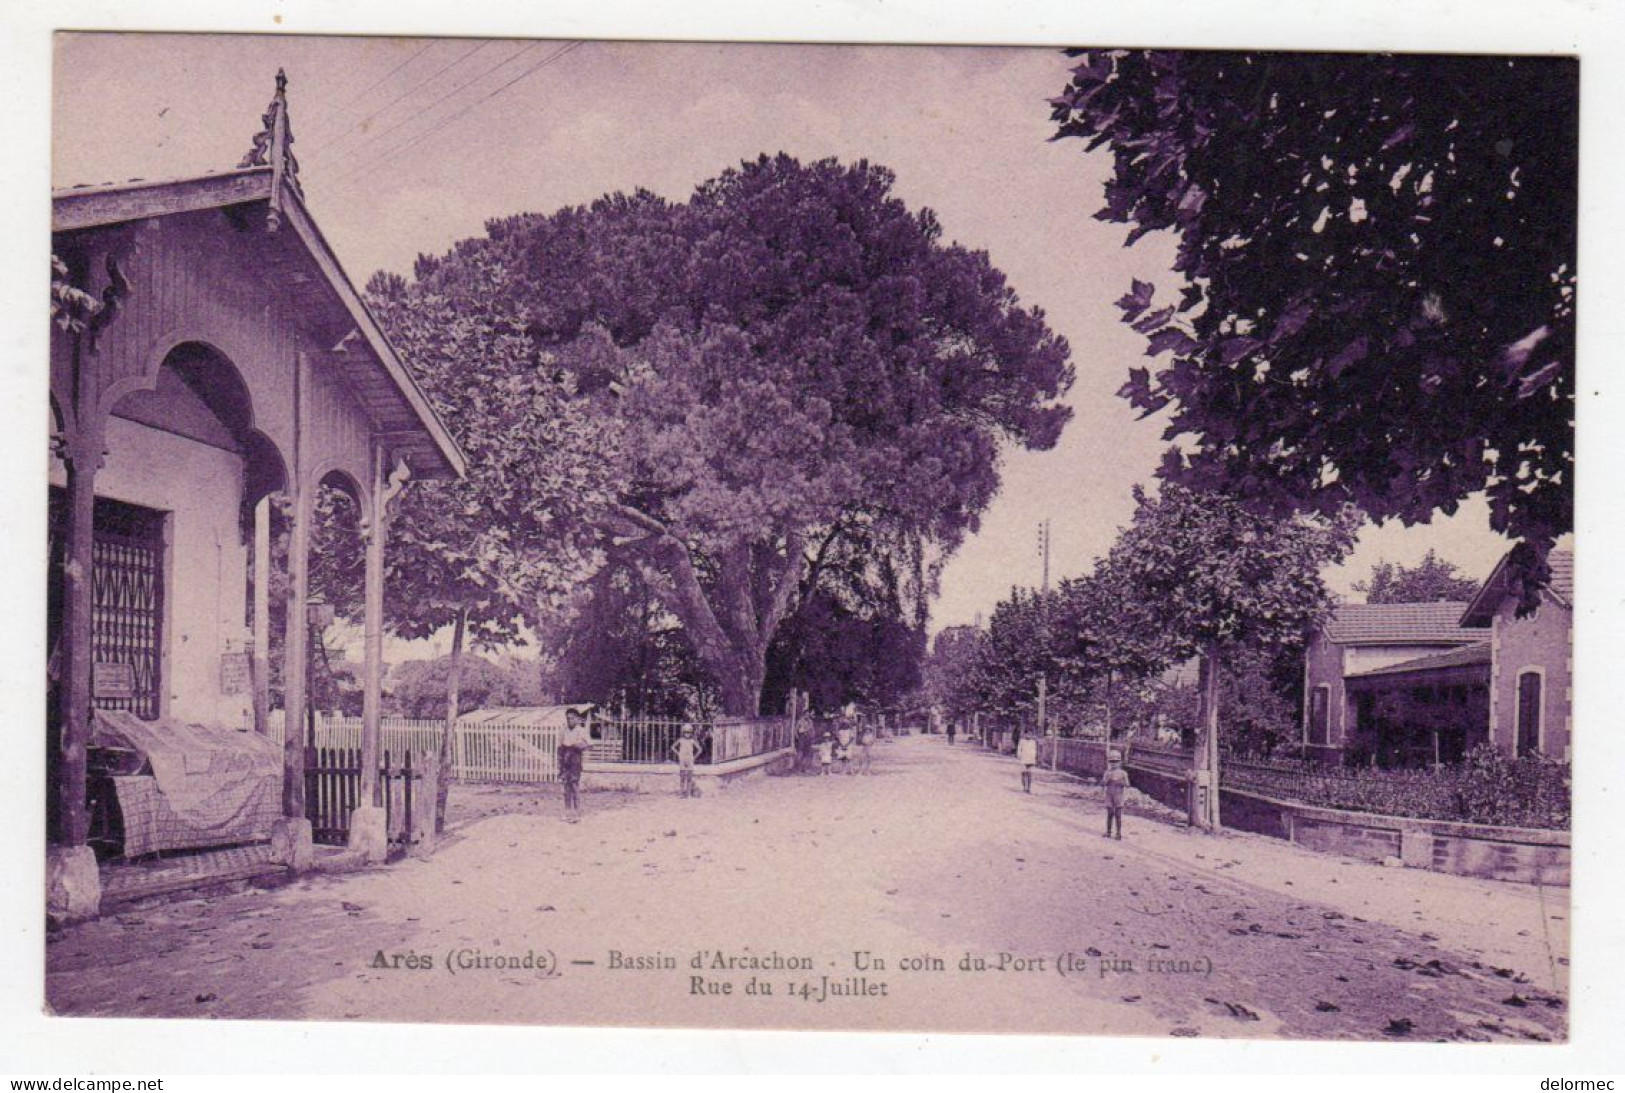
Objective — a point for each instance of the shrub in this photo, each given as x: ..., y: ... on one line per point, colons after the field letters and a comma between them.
x: 1486, y: 787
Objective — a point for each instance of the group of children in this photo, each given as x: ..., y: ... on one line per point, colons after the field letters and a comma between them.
x: 1115, y: 780
x: 846, y: 745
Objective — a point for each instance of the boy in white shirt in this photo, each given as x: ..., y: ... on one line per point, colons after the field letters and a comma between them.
x: 686, y: 751
x: 1027, y: 753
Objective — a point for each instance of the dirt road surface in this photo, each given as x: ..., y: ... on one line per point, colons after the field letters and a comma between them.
x: 932, y: 895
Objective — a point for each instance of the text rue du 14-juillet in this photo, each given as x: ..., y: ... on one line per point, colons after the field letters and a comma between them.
x: 859, y: 973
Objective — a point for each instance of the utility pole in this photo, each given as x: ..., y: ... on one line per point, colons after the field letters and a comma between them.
x: 1043, y: 677
x: 1043, y: 550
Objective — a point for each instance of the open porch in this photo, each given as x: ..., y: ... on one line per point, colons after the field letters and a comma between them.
x: 1429, y: 710
x: 212, y: 369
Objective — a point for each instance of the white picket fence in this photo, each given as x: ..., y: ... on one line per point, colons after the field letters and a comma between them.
x: 483, y: 752
x: 524, y: 752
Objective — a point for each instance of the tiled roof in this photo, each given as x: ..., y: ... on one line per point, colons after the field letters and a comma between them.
x: 1562, y: 563
x: 1399, y: 624
x: 1464, y: 657
x: 1494, y: 589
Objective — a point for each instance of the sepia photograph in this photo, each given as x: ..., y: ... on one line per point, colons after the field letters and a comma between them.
x: 990, y: 539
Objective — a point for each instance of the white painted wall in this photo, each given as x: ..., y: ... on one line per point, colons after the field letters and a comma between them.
x: 200, y: 487
x: 1364, y: 658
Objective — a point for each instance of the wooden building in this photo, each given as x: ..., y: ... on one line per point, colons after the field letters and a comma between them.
x: 218, y: 360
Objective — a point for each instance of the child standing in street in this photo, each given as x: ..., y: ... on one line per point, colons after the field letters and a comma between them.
x: 1027, y: 753
x: 866, y: 739
x: 826, y: 753
x: 843, y: 745
x: 686, y: 751
x: 572, y: 753
x: 1116, y: 783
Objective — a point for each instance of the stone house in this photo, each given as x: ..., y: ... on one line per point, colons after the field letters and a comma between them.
x: 1410, y: 684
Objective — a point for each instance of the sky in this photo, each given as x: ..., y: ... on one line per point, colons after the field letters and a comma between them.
x: 407, y: 145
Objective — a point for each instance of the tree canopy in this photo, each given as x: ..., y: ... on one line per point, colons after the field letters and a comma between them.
x: 1210, y: 576
x: 1431, y: 580
x: 1378, y: 263
x: 500, y: 546
x: 789, y: 355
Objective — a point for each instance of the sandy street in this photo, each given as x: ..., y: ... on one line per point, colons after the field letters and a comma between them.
x: 933, y: 895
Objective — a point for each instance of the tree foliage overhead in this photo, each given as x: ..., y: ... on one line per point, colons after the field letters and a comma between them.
x: 1212, y: 577
x: 1432, y: 580
x: 789, y: 353
x: 502, y: 545
x: 1378, y: 256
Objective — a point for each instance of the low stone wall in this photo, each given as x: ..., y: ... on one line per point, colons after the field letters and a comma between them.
x: 662, y: 777
x: 1527, y: 855
x: 1169, y: 790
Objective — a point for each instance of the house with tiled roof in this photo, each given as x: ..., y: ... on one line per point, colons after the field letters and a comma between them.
x: 1531, y: 683
x: 1362, y: 638
x: 1409, y: 684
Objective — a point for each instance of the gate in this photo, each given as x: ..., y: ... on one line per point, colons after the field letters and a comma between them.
x: 333, y: 789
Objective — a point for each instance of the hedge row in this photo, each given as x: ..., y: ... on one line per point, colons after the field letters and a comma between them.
x: 1486, y: 787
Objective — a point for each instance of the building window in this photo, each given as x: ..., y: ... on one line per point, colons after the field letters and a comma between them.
x: 127, y: 603
x: 1319, y: 702
x: 1529, y: 713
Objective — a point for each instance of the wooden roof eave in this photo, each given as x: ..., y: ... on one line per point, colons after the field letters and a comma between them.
x: 79, y: 207
x: 1451, y: 675
x: 447, y: 460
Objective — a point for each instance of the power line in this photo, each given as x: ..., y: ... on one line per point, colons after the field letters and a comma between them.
x: 426, y: 134
x: 351, y: 154
x: 420, y: 51
x: 391, y: 103
x: 543, y: 63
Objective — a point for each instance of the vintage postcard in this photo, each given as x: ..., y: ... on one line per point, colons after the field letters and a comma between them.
x: 943, y: 539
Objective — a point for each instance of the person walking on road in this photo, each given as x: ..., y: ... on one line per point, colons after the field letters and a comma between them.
x: 1116, y: 783
x: 686, y: 751
x: 866, y: 739
x: 1027, y: 754
x: 843, y: 745
x: 952, y: 728
x: 572, y: 755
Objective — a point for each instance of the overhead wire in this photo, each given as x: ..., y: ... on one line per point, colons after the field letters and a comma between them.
x: 379, y: 82
x: 351, y: 154
x: 392, y: 102
x: 363, y: 168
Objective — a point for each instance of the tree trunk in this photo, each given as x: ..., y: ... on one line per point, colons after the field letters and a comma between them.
x: 740, y: 676
x: 448, y: 735
x: 1108, y: 706
x: 1204, y: 803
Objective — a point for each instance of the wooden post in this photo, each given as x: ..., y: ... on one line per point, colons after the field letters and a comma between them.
x: 295, y: 645
x: 81, y: 461
x: 373, y: 636
x: 1205, y: 756
x: 261, y: 657
x: 295, y: 660
x: 449, y: 733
